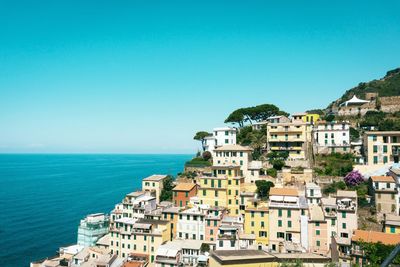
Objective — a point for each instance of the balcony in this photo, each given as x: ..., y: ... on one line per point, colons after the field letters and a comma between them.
x: 285, y: 148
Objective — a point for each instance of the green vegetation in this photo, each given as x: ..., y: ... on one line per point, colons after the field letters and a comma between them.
x: 205, y: 247
x: 198, y: 162
x: 188, y: 174
x: 206, y: 155
x: 200, y: 136
x: 272, y: 172
x: 334, y: 187
x: 252, y: 114
x: 381, y: 121
x: 388, y: 86
x: 376, y: 253
x: 294, y: 263
x: 277, y: 159
x: 166, y: 193
x: 354, y: 134
x: 263, y: 188
x: 256, y: 139
x: 334, y: 164
x: 320, y: 112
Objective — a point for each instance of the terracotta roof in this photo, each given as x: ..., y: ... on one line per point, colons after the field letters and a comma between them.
x: 283, y: 192
x: 184, y: 187
x: 375, y: 237
x: 387, y: 179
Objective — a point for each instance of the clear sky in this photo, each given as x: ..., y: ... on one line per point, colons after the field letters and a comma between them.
x: 144, y: 76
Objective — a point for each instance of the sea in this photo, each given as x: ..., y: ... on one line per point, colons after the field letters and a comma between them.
x: 44, y: 196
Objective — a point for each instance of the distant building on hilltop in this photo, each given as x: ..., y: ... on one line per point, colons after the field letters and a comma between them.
x: 221, y: 136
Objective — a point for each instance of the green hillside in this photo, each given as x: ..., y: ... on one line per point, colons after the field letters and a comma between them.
x: 387, y: 86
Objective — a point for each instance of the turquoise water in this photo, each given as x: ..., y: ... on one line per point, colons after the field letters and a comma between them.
x: 43, y: 197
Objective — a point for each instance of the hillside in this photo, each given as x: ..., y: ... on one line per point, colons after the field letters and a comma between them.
x: 387, y: 86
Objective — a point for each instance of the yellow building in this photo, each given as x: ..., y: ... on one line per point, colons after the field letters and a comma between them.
x: 143, y: 237
x: 260, y: 258
x: 154, y: 184
x: 311, y: 118
x: 382, y: 147
x: 256, y: 222
x: 392, y: 224
x: 292, y: 137
x: 171, y: 214
x: 222, y: 189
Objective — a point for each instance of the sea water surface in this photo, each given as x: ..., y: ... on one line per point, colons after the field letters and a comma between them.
x: 43, y: 197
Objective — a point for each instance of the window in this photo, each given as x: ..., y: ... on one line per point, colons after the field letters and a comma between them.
x: 317, y: 232
x: 212, y: 182
x: 221, y: 243
x: 289, y: 224
x: 279, y: 223
x: 375, y: 149
x: 333, y: 222
x: 211, y: 231
x: 205, y: 181
x: 226, y: 141
x: 374, y: 138
x: 318, y: 243
x: 252, y: 214
x: 375, y: 159
x: 392, y: 229
x: 252, y: 224
x: 262, y: 214
x: 317, y: 224
x: 385, y: 159
x: 204, y: 192
x: 344, y: 225
x: 343, y: 214
x: 262, y: 224
x: 280, y: 235
x: 289, y: 213
x: 385, y: 149
x: 216, y: 193
x: 219, y: 183
x: 280, y: 213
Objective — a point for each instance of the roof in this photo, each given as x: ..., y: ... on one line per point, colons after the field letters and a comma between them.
x: 375, y: 237
x: 135, y: 194
x: 283, y: 192
x: 184, y: 187
x: 344, y: 193
x: 233, y: 148
x: 316, y: 213
x: 104, y: 240
x: 328, y: 201
x: 224, y: 129
x: 395, y: 170
x: 382, y: 132
x: 386, y: 179
x: 392, y: 220
x: 354, y: 100
x: 155, y: 177
x: 299, y: 114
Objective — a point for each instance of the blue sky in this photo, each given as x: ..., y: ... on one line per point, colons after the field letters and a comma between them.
x: 144, y: 76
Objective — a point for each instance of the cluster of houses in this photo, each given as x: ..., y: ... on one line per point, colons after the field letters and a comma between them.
x: 218, y: 218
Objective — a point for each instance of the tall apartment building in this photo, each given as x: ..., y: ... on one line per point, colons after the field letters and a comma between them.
x: 221, y: 137
x: 291, y: 137
x: 256, y: 222
x: 317, y: 231
x: 222, y: 189
x: 191, y: 223
x: 330, y: 137
x: 286, y: 209
x: 92, y: 228
x: 233, y: 155
x: 384, y: 194
x: 382, y: 147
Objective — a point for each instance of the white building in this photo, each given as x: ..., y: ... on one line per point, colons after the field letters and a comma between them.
x: 331, y: 137
x: 313, y: 193
x: 179, y: 253
x: 233, y: 155
x: 221, y: 136
x: 191, y: 223
x: 91, y: 228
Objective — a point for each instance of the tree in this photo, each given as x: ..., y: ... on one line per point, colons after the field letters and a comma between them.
x: 353, y: 178
x: 236, y: 116
x: 263, y: 188
x: 272, y: 172
x: 258, y: 142
x: 277, y: 159
x: 207, y: 155
x: 200, y: 136
x: 354, y: 134
x: 251, y: 114
x: 329, y: 117
x: 244, y: 136
x: 166, y: 192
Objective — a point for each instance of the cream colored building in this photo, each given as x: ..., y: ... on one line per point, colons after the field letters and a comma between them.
x: 382, y: 147
x: 285, y: 211
x: 229, y: 155
x: 317, y: 231
x: 154, y: 184
x: 293, y: 137
x: 384, y: 194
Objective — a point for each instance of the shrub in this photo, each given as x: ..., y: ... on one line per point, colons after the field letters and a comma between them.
x: 353, y: 178
x: 207, y: 155
x: 272, y: 172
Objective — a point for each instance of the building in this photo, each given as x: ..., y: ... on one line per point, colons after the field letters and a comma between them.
x: 311, y: 118
x: 331, y: 137
x: 291, y: 137
x: 256, y: 222
x: 347, y: 221
x: 286, y: 219
x: 318, y: 231
x: 384, y: 194
x: 92, y: 228
x: 329, y: 208
x: 273, y: 119
x: 170, y: 214
x: 221, y: 136
x: 382, y: 147
x: 257, y: 258
x: 213, y: 221
x: 154, y: 184
x: 179, y: 253
x: 222, y: 189
x: 370, y: 237
x: 313, y: 193
x: 233, y: 155
x: 391, y: 224
x: 142, y: 236
x: 182, y: 193
x: 191, y: 223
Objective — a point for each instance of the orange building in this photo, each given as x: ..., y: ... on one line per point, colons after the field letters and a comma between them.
x: 183, y: 192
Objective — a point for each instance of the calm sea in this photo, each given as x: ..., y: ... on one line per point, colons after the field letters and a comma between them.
x: 43, y: 197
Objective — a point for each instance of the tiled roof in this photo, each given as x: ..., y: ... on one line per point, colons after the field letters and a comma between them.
x: 386, y: 179
x: 283, y: 192
x: 184, y: 187
x: 375, y: 237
